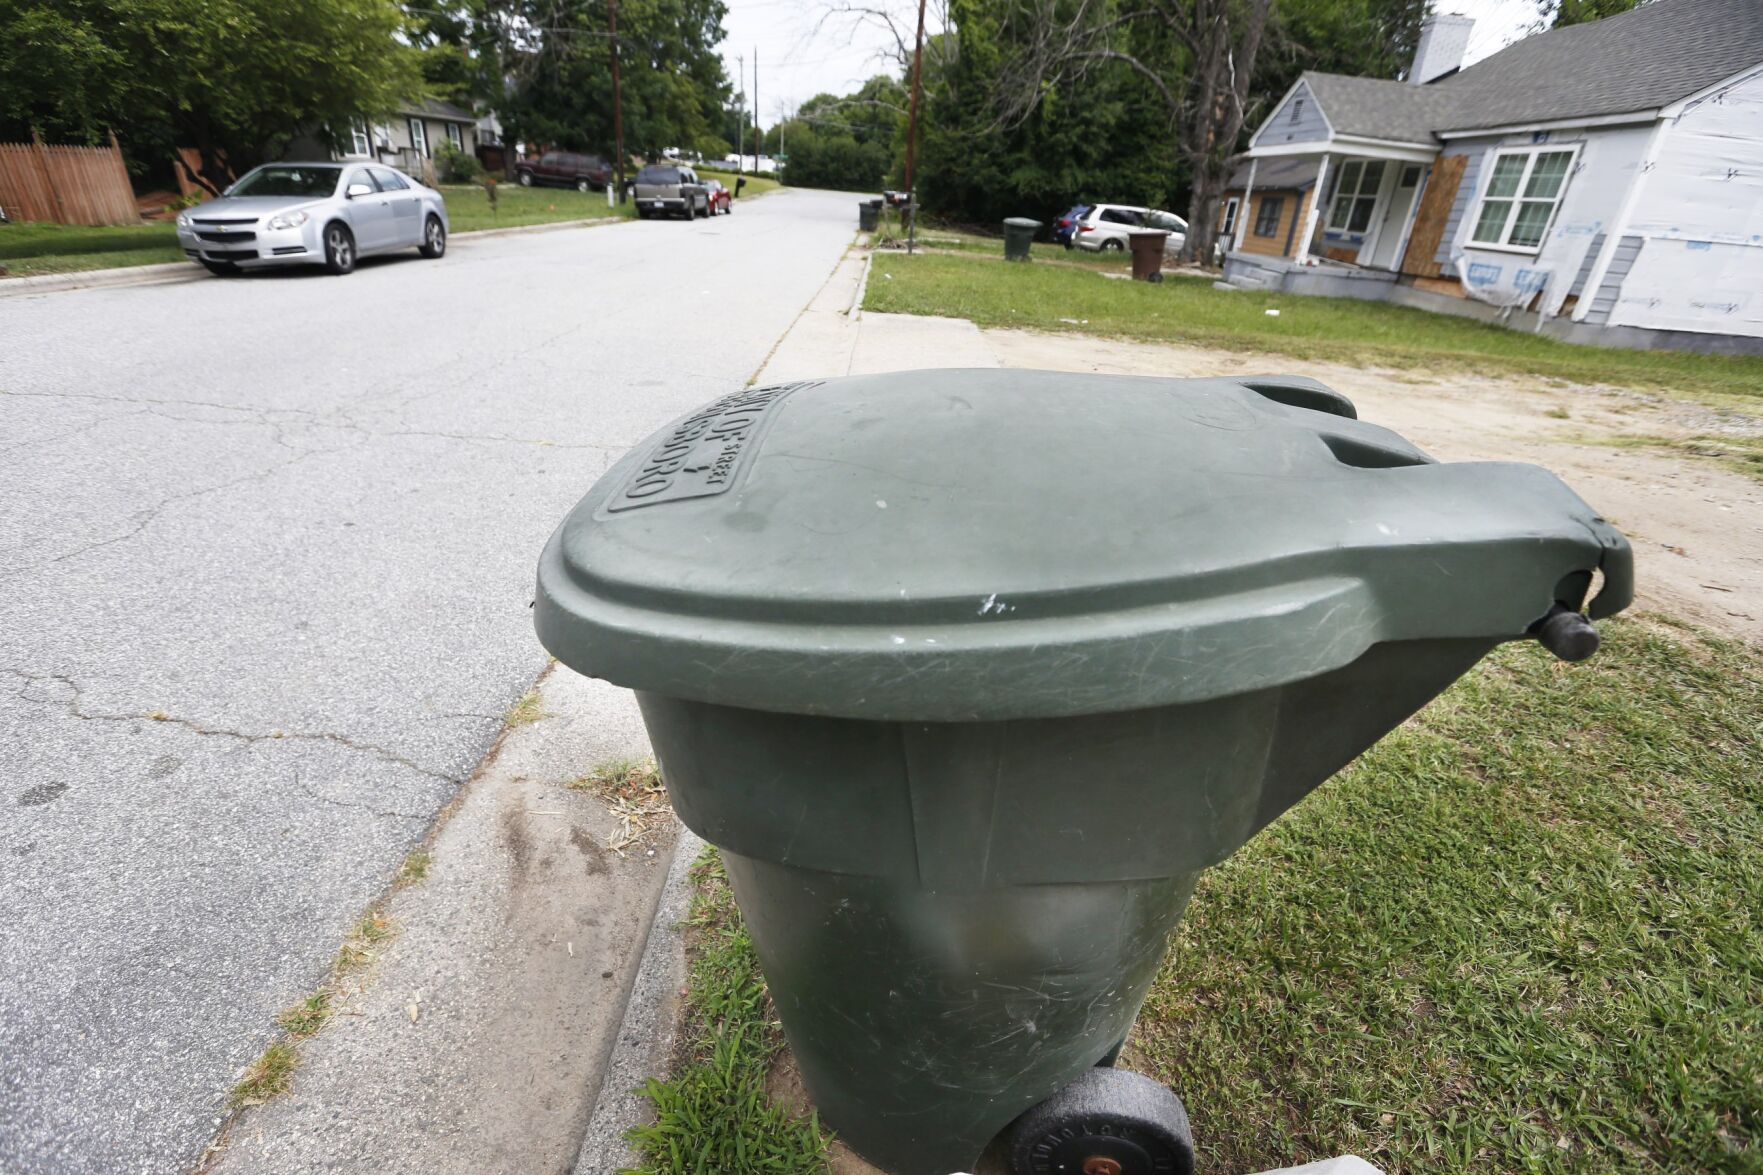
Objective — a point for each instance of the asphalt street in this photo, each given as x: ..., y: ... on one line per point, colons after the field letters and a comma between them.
x: 266, y: 553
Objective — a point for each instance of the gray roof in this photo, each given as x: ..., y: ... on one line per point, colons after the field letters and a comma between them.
x: 1639, y: 61
x: 1288, y: 173
x: 437, y: 109
x: 1380, y: 109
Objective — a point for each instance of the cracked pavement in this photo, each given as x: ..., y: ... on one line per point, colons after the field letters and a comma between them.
x: 265, y: 564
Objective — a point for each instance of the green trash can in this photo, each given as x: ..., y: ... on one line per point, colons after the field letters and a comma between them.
x: 969, y: 674
x: 868, y: 214
x: 1019, y: 236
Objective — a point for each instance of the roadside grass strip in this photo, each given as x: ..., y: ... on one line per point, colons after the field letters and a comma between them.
x: 714, y: 1115
x: 1523, y: 934
x: 1189, y: 311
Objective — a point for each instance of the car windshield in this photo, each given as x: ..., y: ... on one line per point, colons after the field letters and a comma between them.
x: 658, y: 175
x: 288, y: 181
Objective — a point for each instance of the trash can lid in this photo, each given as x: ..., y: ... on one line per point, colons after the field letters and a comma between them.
x: 1021, y: 222
x: 977, y: 544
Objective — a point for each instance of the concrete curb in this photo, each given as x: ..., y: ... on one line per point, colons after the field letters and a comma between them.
x: 647, y: 1034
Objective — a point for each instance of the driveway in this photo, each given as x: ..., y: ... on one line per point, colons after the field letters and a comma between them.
x: 266, y: 556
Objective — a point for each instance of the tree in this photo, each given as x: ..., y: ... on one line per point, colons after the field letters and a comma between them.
x: 674, y: 89
x: 239, y: 80
x: 1198, y: 57
x: 1581, y: 11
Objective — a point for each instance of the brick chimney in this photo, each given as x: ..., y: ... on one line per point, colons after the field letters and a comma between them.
x: 1443, y: 41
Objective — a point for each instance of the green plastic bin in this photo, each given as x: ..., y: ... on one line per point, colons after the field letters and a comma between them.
x: 1019, y: 237
x: 969, y: 674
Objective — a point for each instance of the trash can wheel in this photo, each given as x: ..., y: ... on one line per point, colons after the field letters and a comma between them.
x: 1107, y: 1122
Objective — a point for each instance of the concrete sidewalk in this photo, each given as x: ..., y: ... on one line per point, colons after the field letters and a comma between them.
x: 832, y: 337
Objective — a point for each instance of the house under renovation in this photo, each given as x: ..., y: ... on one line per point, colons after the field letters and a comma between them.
x: 1601, y: 182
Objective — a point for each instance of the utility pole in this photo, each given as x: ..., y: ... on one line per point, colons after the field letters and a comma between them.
x: 912, y: 133
x: 617, y: 97
x: 758, y: 136
x: 741, y: 139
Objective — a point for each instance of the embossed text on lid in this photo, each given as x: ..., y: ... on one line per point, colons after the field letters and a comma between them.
x: 706, y: 452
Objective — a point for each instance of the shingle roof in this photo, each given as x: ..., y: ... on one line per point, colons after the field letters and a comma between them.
x: 1380, y: 109
x: 435, y: 108
x: 1288, y: 173
x: 1639, y: 61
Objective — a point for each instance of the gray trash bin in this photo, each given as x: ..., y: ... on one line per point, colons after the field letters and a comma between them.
x: 1019, y: 236
x: 969, y: 674
x: 868, y: 214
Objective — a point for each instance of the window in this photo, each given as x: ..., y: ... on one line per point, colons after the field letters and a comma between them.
x: 1267, y: 215
x: 456, y: 136
x: 358, y: 144
x: 1229, y: 225
x: 360, y: 176
x: 1355, y: 196
x: 389, y: 181
x: 419, y: 137
x: 302, y: 179
x: 1121, y: 216
x: 1167, y: 221
x: 1523, y: 191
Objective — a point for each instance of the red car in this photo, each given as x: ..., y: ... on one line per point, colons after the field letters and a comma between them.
x: 720, y: 200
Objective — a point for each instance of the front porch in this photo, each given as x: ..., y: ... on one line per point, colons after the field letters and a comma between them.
x: 1328, y: 279
x: 1358, y: 219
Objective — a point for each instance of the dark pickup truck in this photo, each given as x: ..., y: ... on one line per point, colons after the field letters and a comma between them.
x: 581, y: 172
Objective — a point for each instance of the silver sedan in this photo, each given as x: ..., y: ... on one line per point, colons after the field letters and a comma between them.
x: 329, y: 214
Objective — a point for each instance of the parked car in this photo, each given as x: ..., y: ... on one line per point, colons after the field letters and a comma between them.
x: 329, y: 214
x: 1066, y: 226
x: 670, y: 188
x: 721, y: 200
x: 582, y: 172
x: 1106, y: 227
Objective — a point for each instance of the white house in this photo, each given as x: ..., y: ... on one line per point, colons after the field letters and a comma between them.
x: 408, y: 141
x: 1605, y: 177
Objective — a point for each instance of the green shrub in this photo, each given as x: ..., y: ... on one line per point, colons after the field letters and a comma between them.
x: 455, y: 166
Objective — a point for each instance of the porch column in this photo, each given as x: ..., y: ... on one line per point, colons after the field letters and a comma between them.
x: 1303, y: 257
x: 1243, y: 208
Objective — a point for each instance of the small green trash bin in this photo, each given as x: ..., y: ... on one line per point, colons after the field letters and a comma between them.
x: 969, y: 675
x: 1019, y: 236
x: 868, y: 214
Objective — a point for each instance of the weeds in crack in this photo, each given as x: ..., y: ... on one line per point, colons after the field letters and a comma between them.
x: 525, y: 711
x: 269, y: 1075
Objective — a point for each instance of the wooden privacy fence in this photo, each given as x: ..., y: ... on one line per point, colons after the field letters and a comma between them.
x: 68, y: 185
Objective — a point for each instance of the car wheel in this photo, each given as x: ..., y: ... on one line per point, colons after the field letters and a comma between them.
x: 1113, y: 245
x: 525, y: 178
x: 434, y: 238
x: 339, y: 249
x: 583, y: 186
x: 220, y: 268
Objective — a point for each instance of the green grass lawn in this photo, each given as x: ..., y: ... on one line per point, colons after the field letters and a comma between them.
x: 1188, y: 310
x: 28, y: 249
x: 953, y: 240
x: 1525, y: 933
x: 468, y: 206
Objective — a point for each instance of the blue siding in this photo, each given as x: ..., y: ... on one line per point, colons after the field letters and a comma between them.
x: 1465, y: 193
x: 1298, y: 120
x: 1620, y: 263
x: 1585, y: 267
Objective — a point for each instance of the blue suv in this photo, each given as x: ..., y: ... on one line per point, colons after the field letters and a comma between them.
x: 1066, y: 226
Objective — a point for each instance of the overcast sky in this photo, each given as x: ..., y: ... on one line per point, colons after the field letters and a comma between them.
x: 801, y: 55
